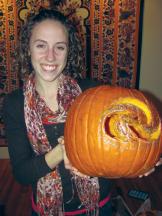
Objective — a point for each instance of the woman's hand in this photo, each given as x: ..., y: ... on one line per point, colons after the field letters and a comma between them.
x: 67, y: 163
x: 66, y: 160
x: 147, y: 173
x: 152, y: 170
x: 54, y: 156
x: 159, y: 162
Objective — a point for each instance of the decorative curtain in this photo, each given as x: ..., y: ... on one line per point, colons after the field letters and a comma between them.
x: 12, y: 15
x: 108, y: 31
x: 8, y: 38
x: 114, y: 27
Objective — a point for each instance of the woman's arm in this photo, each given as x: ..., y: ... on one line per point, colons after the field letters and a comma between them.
x: 27, y: 167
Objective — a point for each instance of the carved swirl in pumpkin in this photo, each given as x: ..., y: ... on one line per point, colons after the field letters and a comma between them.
x: 129, y: 118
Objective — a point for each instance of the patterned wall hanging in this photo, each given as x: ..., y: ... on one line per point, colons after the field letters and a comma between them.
x: 114, y: 41
x: 109, y: 32
x: 8, y: 38
x: 12, y: 15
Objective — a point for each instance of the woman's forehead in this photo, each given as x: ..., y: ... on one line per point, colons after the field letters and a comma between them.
x: 49, y: 29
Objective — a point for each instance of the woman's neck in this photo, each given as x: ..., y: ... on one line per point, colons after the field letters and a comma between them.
x: 47, y: 89
x: 48, y: 92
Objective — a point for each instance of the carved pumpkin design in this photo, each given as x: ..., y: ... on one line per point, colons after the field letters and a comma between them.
x: 113, y: 132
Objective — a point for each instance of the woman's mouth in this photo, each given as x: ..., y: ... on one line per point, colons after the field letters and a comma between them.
x: 49, y: 68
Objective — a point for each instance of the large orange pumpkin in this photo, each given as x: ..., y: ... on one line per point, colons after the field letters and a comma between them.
x: 113, y: 132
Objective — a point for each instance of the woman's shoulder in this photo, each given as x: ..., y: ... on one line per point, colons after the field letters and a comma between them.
x: 13, y: 106
x: 15, y: 94
x: 88, y: 83
x: 14, y: 98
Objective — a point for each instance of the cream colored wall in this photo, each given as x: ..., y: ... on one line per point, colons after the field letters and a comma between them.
x: 151, y: 57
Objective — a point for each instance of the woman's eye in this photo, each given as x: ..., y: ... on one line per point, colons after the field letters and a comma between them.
x: 40, y: 46
x: 60, y: 48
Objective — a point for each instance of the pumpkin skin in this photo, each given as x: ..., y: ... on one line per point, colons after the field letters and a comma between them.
x: 113, y: 132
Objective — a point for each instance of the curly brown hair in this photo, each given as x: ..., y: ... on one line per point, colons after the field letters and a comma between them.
x: 75, y: 61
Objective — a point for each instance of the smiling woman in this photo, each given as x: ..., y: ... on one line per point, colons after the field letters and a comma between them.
x: 51, y: 56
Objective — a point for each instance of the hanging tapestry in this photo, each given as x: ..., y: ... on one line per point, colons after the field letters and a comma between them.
x: 109, y: 31
x: 12, y: 14
x: 114, y: 41
x: 8, y: 37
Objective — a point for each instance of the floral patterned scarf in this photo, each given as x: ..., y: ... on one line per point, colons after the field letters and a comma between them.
x: 49, y: 188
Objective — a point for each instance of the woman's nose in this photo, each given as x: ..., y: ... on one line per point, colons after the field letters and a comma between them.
x: 50, y: 55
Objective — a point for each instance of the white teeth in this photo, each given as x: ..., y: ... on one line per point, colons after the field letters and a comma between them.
x: 49, y: 67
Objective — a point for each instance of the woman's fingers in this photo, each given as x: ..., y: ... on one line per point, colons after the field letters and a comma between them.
x: 153, y: 169
x: 147, y: 173
x: 159, y: 162
x: 61, y: 140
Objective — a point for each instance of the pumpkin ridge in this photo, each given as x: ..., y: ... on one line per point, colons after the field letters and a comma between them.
x: 71, y: 122
x: 100, y: 140
x: 144, y: 168
x: 96, y: 91
x: 89, y: 152
x: 81, y: 164
x: 88, y: 156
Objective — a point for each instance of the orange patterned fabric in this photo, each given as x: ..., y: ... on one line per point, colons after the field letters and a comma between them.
x: 12, y: 15
x: 8, y: 38
x: 114, y: 41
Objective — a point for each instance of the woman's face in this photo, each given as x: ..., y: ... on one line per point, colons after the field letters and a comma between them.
x: 48, y: 48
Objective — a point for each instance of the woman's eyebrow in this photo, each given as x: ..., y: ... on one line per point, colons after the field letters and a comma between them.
x: 43, y: 41
x: 40, y: 40
x: 62, y: 42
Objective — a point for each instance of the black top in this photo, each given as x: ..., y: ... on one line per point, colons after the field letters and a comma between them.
x: 27, y: 167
